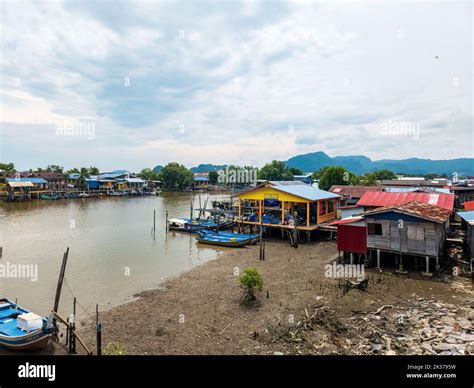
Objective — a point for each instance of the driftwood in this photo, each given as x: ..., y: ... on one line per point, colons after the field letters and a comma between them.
x: 349, y: 285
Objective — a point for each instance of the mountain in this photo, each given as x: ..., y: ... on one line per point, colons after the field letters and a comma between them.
x: 359, y: 164
x: 208, y: 168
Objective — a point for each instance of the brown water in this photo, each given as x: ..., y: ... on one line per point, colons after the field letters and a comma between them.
x: 112, y: 253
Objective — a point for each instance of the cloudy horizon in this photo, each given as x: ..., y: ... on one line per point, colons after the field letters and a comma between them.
x: 137, y: 84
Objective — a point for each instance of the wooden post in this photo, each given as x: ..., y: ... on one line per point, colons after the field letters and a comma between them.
x: 98, y: 331
x: 260, y: 218
x: 73, y: 331
x: 240, y: 210
x: 166, y: 222
x: 60, y: 281
x: 283, y: 212
x: 1, y: 252
x: 307, y: 214
x: 352, y: 258
x: 378, y: 258
x: 154, y: 224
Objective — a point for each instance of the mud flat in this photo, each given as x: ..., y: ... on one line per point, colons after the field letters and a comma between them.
x: 199, y: 312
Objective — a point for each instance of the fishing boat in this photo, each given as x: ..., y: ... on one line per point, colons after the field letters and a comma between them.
x: 21, y: 329
x: 226, y: 239
x: 84, y: 195
x: 47, y: 197
x: 190, y: 226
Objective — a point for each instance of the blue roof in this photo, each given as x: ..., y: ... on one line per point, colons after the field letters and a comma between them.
x: 201, y: 178
x: 134, y: 180
x: 467, y: 216
x: 74, y: 175
x: 307, y: 192
x: 32, y: 180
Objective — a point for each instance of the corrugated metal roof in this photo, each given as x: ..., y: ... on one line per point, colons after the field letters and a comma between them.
x: 307, y: 192
x: 201, y: 178
x: 32, y: 180
x: 416, y: 209
x: 380, y: 199
x: 416, y: 189
x: 21, y: 184
x: 469, y: 205
x: 467, y: 216
x: 134, y: 180
x: 347, y: 220
x: 353, y: 191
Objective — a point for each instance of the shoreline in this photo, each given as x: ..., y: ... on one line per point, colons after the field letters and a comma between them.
x: 198, y: 311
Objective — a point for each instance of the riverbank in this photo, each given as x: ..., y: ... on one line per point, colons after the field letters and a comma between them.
x: 198, y: 312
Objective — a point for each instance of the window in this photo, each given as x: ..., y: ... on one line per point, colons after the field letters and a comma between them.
x: 374, y: 229
x: 416, y: 232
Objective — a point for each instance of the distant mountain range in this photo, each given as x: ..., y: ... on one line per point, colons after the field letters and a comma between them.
x: 359, y: 164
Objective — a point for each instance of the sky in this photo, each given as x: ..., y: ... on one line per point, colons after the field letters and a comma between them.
x: 129, y: 85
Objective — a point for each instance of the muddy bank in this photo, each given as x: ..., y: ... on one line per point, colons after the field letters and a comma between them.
x: 199, y: 312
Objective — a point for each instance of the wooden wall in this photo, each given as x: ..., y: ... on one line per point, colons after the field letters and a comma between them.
x: 431, y: 245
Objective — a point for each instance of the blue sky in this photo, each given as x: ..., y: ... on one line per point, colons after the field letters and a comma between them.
x: 146, y: 83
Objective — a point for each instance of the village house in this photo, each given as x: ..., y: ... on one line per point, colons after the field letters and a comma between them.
x: 413, y: 230
x: 352, y: 194
x: 284, y: 204
x: 467, y: 218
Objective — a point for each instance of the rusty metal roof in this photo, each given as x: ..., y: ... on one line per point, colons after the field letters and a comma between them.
x: 353, y: 191
x: 416, y: 209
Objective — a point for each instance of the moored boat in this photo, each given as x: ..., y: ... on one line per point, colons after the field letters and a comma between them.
x: 21, y: 329
x: 226, y: 239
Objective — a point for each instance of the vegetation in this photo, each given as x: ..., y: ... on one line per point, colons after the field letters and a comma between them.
x: 175, y: 176
x: 337, y: 176
x: 115, y: 349
x: 251, y: 282
x: 213, y: 176
x: 9, y: 168
x: 149, y: 175
x: 275, y: 171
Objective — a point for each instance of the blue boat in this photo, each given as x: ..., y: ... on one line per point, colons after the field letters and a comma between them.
x: 192, y: 226
x: 226, y: 239
x: 21, y: 329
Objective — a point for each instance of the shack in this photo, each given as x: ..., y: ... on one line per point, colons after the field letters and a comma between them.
x: 414, y: 229
x: 467, y: 218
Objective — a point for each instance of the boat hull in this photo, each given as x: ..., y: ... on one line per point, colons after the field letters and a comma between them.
x: 231, y: 244
x: 37, y: 340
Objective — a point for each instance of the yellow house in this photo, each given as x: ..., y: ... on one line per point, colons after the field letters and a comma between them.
x: 278, y: 204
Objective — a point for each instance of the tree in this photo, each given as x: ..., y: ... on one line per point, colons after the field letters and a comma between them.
x: 9, y: 168
x: 93, y: 171
x: 175, y: 176
x: 148, y: 174
x: 275, y: 171
x: 73, y: 171
x: 295, y: 171
x: 213, y: 176
x: 251, y: 282
x: 336, y: 176
x: 385, y: 174
x: 54, y: 168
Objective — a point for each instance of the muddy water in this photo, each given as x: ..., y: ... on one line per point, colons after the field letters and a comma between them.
x: 112, y: 252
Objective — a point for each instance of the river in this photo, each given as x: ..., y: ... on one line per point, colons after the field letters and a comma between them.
x: 112, y: 253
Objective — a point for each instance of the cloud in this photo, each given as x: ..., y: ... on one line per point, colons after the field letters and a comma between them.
x: 233, y: 81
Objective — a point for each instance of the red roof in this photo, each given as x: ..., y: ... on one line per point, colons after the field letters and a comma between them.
x: 348, y: 220
x: 381, y: 199
x: 469, y: 205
